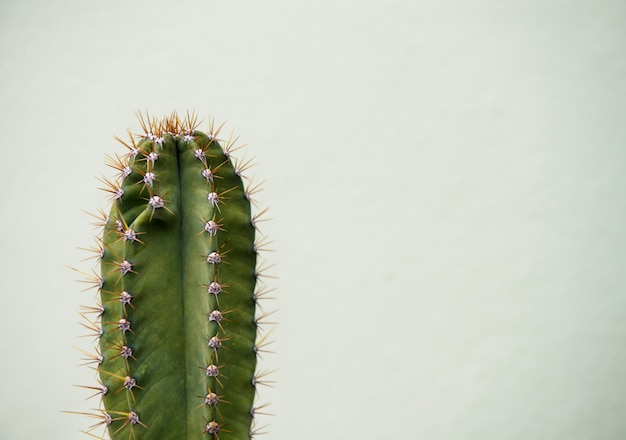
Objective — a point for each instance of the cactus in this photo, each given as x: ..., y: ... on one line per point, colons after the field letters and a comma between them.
x: 175, y: 319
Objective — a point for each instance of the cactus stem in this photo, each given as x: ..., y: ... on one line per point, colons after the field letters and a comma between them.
x: 193, y: 321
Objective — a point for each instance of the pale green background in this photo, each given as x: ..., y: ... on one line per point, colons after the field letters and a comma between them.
x: 447, y: 182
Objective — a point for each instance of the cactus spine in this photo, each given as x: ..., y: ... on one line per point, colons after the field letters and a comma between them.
x: 178, y: 291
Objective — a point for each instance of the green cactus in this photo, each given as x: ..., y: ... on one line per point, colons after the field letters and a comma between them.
x: 178, y: 290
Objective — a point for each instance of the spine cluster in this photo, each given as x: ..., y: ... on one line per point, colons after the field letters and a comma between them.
x: 176, y: 321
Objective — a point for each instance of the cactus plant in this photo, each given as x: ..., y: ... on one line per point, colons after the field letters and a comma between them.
x: 176, y: 318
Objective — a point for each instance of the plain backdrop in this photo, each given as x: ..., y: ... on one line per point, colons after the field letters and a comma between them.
x: 446, y: 182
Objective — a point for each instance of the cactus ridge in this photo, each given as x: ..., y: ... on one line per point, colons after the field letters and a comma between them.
x: 176, y: 320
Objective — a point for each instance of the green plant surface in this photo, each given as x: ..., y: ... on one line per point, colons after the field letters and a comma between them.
x: 177, y: 323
